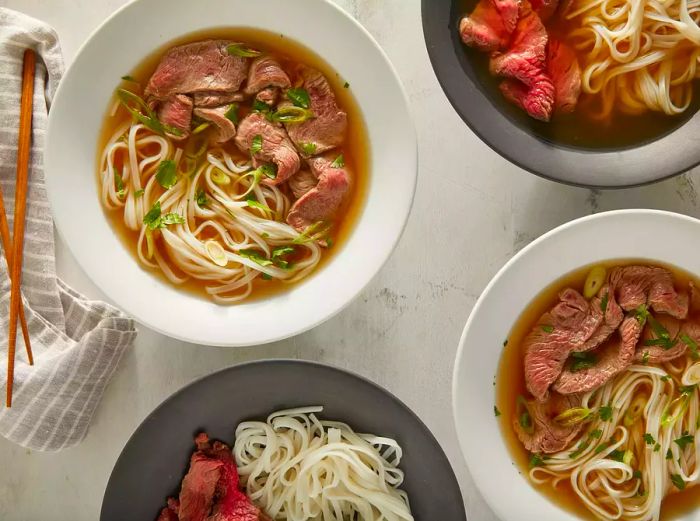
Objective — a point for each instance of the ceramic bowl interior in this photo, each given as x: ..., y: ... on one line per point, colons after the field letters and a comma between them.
x: 76, y: 115
x: 625, y: 234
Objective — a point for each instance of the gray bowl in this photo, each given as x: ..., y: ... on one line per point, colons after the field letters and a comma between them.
x: 155, y: 459
x: 524, y: 141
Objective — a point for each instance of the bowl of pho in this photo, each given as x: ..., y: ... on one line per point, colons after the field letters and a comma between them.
x: 232, y: 178
x: 599, y: 94
x: 582, y: 361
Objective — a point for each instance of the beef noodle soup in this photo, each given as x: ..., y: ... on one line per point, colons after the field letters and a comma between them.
x: 600, y: 74
x: 233, y: 163
x: 597, y: 392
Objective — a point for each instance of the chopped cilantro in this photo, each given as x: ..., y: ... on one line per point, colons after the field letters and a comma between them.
x: 685, y: 440
x: 166, y: 174
x: 678, y: 481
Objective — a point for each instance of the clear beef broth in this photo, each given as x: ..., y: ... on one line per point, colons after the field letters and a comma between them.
x: 578, y: 129
x: 290, y: 54
x: 510, y: 383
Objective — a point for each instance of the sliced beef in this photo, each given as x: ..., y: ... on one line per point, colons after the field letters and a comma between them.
x: 524, y: 64
x: 638, y: 285
x: 276, y: 146
x: 208, y: 99
x: 573, y: 324
x: 612, y: 358
x: 176, y: 111
x: 302, y: 182
x: 489, y: 26
x: 199, y: 487
x: 678, y: 331
x: 549, y: 343
x: 226, y: 130
x: 268, y: 95
x: 265, y: 72
x: 210, y: 490
x: 327, y: 129
x: 323, y: 201
x: 546, y: 435
x: 694, y: 299
x: 565, y: 72
x: 203, y: 66
x: 545, y: 8
x: 606, y: 307
x: 171, y: 512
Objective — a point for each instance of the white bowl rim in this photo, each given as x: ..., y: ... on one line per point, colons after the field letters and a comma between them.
x: 488, y: 495
x: 266, y: 339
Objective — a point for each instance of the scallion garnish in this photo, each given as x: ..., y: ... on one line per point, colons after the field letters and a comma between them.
x: 119, y: 184
x: 692, y: 345
x: 220, y: 177
x: 232, y: 113
x: 338, y: 162
x: 255, y: 204
x: 299, y: 97
x: 242, y: 50
x: 290, y: 114
x: 201, y: 128
x: 256, y: 145
x: 142, y: 113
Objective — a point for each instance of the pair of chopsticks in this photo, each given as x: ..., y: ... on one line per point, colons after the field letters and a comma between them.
x: 14, y: 249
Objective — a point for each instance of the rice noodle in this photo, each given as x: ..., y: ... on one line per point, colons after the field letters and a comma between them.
x: 180, y: 251
x: 639, y: 54
x: 633, y: 490
x: 299, y: 468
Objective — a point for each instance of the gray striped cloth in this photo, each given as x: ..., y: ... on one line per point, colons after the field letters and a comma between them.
x: 77, y: 343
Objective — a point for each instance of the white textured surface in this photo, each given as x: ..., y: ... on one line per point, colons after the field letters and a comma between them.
x: 472, y: 211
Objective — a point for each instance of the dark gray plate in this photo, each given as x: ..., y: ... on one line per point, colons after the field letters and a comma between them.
x: 520, y: 140
x: 155, y: 459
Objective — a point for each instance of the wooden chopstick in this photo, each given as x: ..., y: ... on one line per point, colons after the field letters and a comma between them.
x: 23, y: 149
x: 6, y: 244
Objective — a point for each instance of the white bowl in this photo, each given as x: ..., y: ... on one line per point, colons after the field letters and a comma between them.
x: 625, y: 234
x: 114, y: 49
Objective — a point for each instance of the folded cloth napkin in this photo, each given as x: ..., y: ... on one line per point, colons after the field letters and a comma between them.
x: 77, y: 343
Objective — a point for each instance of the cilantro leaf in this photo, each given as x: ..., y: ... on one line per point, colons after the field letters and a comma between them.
x: 166, y: 174
x: 684, y: 440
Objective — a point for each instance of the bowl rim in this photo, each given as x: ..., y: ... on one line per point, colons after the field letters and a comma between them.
x: 293, y: 362
x: 486, y: 493
x: 264, y: 338
x: 585, y: 168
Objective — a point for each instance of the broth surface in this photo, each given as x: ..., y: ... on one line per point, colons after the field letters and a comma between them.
x: 510, y: 382
x: 355, y: 149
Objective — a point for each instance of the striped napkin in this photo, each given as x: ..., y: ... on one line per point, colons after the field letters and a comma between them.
x: 77, y: 343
